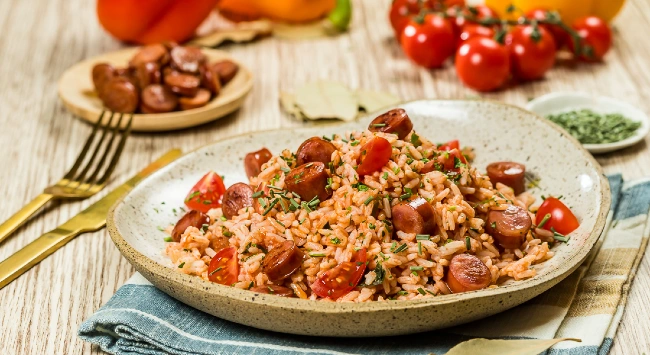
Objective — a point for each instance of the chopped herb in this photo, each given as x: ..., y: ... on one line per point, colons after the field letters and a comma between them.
x: 368, y: 200
x: 262, y: 202
x: 283, y: 204
x: 385, y: 176
x: 215, y: 270
x: 335, y: 240
x: 355, y: 143
x: 223, y: 218
x: 421, y: 291
x: 415, y: 140
x: 329, y: 183
x: 204, y: 227
x: 192, y: 195
x: 396, y: 170
x: 383, y: 256
x: 378, y: 125
x: 271, y: 205
x: 362, y: 187
x: 458, y: 163
x: 295, y: 195
x: 425, y: 160
x: 286, y: 170
x: 250, y: 285
x: 558, y: 236
x: 313, y: 203
x: 168, y: 239
x: 452, y: 208
x: 309, y: 165
x: 544, y: 220
x: 405, y: 196
x: 180, y: 266
x: 560, y: 197
x: 207, y: 202
x: 317, y: 255
x: 420, y: 248
x: 186, y: 250
x: 327, y: 138
x: 155, y: 209
x: 392, y: 247
x: 468, y: 243
x: 371, y: 226
x: 302, y: 220
x: 344, y: 140
x: 294, y: 205
x: 402, y: 293
x: 590, y: 127
x: 422, y: 236
x: 417, y: 268
x: 493, y: 224
x: 161, y: 228
x: 401, y: 248
x: 274, y: 187
x: 226, y: 233
x: 280, y: 223
x: 305, y: 206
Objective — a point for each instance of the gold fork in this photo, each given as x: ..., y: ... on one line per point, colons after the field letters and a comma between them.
x: 77, y: 183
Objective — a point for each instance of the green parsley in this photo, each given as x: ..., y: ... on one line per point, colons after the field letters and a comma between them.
x: 422, y: 237
x: 421, y: 291
x: 544, y: 220
x: 317, y: 255
x: 417, y: 268
x: 363, y: 187
x: 168, y: 239
x: 415, y: 140
x: 468, y: 243
x: 401, y: 248
x: 371, y: 226
x: 378, y: 125
x: 335, y: 241
x: 590, y: 127
x: 204, y: 227
x: 385, y: 176
x: 368, y: 200
x: 180, y: 266
x: 419, y: 248
x: 493, y: 225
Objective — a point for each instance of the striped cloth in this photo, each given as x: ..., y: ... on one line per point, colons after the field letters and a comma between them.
x: 588, y: 305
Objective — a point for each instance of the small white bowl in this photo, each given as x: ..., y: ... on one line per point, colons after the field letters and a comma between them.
x: 559, y: 102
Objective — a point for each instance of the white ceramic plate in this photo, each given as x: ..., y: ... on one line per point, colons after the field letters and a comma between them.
x: 497, y: 131
x: 559, y: 102
x: 78, y: 94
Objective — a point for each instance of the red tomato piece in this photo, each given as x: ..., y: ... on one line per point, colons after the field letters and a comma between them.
x: 224, y: 267
x: 562, y: 219
x: 428, y: 42
x: 341, y: 279
x: 374, y: 155
x: 206, y: 194
x: 453, y: 144
x: 531, y: 54
x: 595, y: 35
x: 483, y: 64
x: 460, y: 16
x: 450, y: 159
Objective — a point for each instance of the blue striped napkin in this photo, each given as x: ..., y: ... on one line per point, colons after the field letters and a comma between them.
x: 140, y: 319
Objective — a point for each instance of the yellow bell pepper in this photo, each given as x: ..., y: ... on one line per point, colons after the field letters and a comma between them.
x: 569, y: 10
x: 294, y: 10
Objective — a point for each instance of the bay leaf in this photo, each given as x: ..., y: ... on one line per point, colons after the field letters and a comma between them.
x: 327, y: 99
x: 372, y: 101
x: 288, y: 103
x: 243, y: 32
x: 482, y: 346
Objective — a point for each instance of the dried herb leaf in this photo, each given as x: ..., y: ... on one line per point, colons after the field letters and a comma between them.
x: 288, y: 102
x: 327, y: 99
x: 505, y: 347
x: 243, y: 32
x: 372, y: 101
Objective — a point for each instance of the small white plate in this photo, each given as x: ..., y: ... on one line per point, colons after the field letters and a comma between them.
x: 559, y: 102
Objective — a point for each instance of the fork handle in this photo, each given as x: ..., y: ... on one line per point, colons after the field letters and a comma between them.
x: 20, y: 217
x: 33, y: 253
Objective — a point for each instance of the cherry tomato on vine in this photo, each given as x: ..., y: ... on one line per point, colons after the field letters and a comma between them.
x: 562, y: 219
x: 532, y: 53
x: 483, y: 64
x: 400, y: 14
x: 595, y: 35
x: 560, y: 36
x: 374, y: 155
x: 224, y: 267
x: 341, y: 279
x: 472, y: 30
x: 428, y: 42
x: 460, y: 16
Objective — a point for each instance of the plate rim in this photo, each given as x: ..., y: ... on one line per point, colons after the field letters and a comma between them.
x: 139, y: 260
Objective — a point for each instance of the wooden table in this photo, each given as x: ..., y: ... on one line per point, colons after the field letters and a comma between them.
x: 41, y: 311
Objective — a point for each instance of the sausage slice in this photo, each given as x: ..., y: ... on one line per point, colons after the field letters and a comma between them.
x: 210, y: 79
x: 147, y: 74
x: 120, y: 95
x: 467, y: 273
x: 187, y: 59
x: 226, y: 70
x: 415, y: 216
x: 309, y: 181
x: 183, y: 84
x: 274, y: 290
x: 394, y: 121
x: 201, y: 98
x: 192, y: 218
x: 282, y: 261
x: 237, y: 196
x: 509, y: 226
x: 157, y: 98
x: 152, y: 53
x: 315, y: 149
x: 508, y: 173
x: 254, y: 160
x: 102, y: 73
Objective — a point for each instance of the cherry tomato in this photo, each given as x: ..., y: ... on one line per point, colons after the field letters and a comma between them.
x: 562, y: 219
x: 596, y: 38
x: 341, y: 279
x: 206, y: 194
x: 560, y: 36
x: 472, y: 30
x: 483, y: 64
x: 530, y: 56
x: 224, y: 267
x: 460, y: 16
x: 430, y: 42
x: 450, y: 159
x: 453, y: 144
x: 374, y: 155
x: 400, y: 14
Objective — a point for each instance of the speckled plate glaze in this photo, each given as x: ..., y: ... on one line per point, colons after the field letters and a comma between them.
x: 497, y: 131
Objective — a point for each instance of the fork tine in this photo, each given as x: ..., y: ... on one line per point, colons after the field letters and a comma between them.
x: 79, y: 178
x: 85, y: 149
x: 107, y: 150
x: 118, y: 152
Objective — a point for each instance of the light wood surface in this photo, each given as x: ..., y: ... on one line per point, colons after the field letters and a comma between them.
x: 41, y: 311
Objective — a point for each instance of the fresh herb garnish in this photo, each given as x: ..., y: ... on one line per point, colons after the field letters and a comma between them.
x: 168, y: 239
x: 468, y: 243
x: 204, y: 227
x: 335, y: 241
x: 401, y: 248
x: 415, y: 140
x: 589, y: 127
x: 378, y: 125
x: 422, y: 236
x: 271, y: 205
x: 421, y: 291
x: 385, y: 176
x: 317, y: 255
x: 544, y: 220
x: 368, y: 200
x: 215, y: 270
x: 180, y: 266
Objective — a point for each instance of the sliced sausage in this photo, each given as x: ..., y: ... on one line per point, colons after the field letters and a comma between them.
x: 315, y: 149
x: 183, y: 84
x: 192, y: 218
x: 394, y: 121
x: 152, y: 53
x: 253, y: 161
x: 508, y: 173
x: 415, y: 216
x: 226, y: 70
x: 122, y: 72
x: 308, y: 181
x: 158, y: 98
x: 147, y: 74
x: 102, y: 73
x: 467, y: 273
x: 508, y: 227
x: 210, y: 79
x: 187, y: 59
x: 282, y: 261
x: 237, y: 196
x: 201, y: 98
x: 274, y: 290
x: 120, y: 95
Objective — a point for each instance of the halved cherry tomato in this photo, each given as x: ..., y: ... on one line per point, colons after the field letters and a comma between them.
x: 454, y: 144
x: 562, y: 219
x: 224, y: 268
x: 374, y: 155
x: 206, y: 194
x: 342, y: 279
x: 450, y: 159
